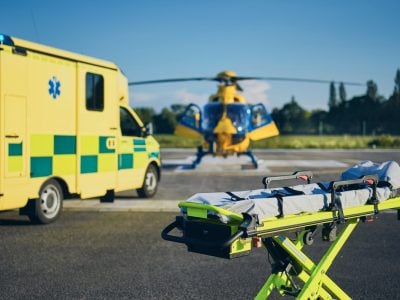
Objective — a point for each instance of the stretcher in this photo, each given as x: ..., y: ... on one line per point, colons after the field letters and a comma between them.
x: 284, y: 220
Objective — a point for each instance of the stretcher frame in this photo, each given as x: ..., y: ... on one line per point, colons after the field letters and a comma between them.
x: 291, y: 265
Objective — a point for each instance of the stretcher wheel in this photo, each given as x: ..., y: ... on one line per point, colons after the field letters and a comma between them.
x: 329, y: 232
x: 308, y: 238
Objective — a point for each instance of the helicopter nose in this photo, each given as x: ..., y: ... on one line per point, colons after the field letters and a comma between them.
x: 226, y: 126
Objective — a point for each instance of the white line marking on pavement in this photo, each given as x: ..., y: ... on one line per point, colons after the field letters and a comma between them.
x: 306, y: 163
x: 219, y: 164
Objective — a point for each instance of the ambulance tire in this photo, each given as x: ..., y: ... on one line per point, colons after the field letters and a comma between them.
x: 47, y: 208
x: 150, y: 183
x: 108, y: 197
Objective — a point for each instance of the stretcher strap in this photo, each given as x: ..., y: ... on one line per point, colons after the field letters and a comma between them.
x: 324, y: 188
x: 293, y: 191
x: 279, y: 197
x: 236, y: 197
x: 338, y: 208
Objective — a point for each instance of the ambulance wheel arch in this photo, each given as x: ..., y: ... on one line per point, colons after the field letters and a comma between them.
x: 48, y: 206
x: 150, y: 182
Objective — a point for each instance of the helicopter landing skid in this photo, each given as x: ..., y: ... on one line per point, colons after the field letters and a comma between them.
x: 252, y: 157
x: 200, y: 154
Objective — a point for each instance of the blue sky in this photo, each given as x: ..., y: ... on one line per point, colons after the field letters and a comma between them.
x: 334, y: 40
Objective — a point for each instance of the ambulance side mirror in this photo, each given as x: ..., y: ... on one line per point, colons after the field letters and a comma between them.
x: 148, y: 129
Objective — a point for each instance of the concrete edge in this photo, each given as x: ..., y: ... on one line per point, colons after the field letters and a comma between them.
x: 122, y: 205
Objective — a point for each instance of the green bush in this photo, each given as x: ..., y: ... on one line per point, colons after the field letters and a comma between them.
x: 385, y: 141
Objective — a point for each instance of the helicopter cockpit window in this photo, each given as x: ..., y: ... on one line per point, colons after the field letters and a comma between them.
x: 129, y: 126
x: 259, y: 116
x: 212, y: 114
x: 239, y: 115
x: 191, y: 116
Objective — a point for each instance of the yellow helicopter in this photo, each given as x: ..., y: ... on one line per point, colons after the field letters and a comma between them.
x: 227, y: 123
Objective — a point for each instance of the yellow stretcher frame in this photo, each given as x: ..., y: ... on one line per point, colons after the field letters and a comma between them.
x: 245, y: 229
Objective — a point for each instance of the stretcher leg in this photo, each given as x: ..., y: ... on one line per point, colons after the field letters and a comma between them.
x: 282, y: 281
x: 294, y: 250
x: 317, y: 284
x: 323, y: 294
x: 318, y: 276
x: 275, y: 280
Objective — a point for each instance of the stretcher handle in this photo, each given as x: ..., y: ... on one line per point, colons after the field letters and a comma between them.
x: 371, y: 180
x: 166, y: 236
x: 185, y: 240
x: 299, y: 175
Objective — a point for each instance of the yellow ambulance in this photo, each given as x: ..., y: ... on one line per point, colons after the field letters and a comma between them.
x: 67, y: 129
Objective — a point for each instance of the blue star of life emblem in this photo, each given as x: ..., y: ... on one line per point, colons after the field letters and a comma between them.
x: 54, y: 87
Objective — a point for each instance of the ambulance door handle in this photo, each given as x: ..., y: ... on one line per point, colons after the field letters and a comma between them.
x: 113, y: 128
x: 12, y: 136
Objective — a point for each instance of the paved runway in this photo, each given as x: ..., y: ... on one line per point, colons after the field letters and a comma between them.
x: 114, y: 251
x: 120, y: 255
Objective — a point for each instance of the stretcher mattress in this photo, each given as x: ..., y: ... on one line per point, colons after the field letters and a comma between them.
x: 308, y: 198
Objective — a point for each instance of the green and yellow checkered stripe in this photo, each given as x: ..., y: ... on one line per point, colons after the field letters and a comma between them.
x: 136, y: 155
x: 132, y: 158
x: 56, y: 155
x: 52, y: 155
x: 125, y: 161
x: 15, y: 158
x: 96, y: 156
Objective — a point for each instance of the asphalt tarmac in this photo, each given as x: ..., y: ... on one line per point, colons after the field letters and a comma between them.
x: 97, y: 253
x: 109, y: 255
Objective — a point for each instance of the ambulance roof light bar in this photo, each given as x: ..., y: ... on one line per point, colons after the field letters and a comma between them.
x: 6, y: 40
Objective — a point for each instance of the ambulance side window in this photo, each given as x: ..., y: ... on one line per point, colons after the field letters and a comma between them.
x: 129, y: 126
x: 94, y: 92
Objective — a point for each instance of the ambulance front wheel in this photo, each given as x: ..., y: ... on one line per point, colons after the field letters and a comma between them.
x: 150, y: 183
x: 48, y: 206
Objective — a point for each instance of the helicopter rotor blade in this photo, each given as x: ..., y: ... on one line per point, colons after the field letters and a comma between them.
x: 297, y: 80
x: 173, y: 80
x: 237, y: 78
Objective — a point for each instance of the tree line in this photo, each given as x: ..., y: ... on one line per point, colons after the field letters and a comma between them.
x: 370, y: 113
